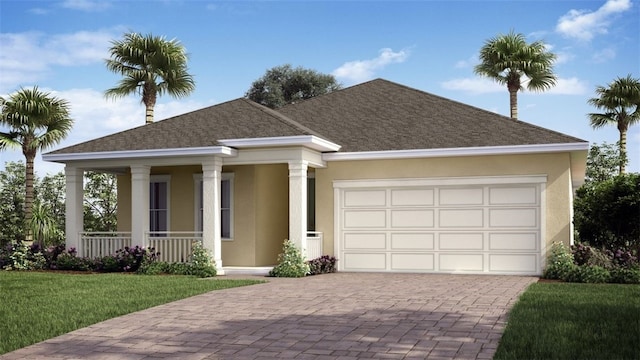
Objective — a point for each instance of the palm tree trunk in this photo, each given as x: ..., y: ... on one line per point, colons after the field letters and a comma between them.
x: 149, y: 114
x: 623, y: 150
x: 513, y: 101
x: 28, y: 196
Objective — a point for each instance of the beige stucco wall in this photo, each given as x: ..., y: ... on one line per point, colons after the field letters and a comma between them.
x: 260, y: 205
x: 555, y: 165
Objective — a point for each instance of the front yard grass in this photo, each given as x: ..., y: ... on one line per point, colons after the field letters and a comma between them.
x: 574, y: 321
x: 36, y: 306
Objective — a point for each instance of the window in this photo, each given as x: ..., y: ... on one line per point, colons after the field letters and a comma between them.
x: 311, y: 202
x: 226, y: 205
x: 158, y: 204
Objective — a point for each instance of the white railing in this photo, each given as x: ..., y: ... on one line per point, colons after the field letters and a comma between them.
x: 174, y: 246
x: 99, y: 244
x: 314, y: 244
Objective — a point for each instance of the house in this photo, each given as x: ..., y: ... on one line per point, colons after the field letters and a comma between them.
x: 380, y: 175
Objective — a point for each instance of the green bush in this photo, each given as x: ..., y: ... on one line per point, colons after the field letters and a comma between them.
x: 559, y: 262
x: 20, y: 256
x: 290, y: 262
x: 606, y: 213
x: 587, y: 255
x: 588, y: 274
x: 622, y: 275
x: 200, y: 265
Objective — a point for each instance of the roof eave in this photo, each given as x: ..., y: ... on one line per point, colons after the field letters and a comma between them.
x: 222, y: 151
x: 309, y: 141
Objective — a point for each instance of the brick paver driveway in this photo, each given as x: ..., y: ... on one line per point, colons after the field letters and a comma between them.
x: 335, y: 316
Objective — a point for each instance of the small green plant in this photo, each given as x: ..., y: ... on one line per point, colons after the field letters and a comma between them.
x: 290, y: 262
x: 21, y: 256
x: 587, y: 274
x: 200, y: 265
x: 623, y: 275
x: 559, y: 263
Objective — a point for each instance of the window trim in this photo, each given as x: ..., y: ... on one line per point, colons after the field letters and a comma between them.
x: 161, y: 179
x: 198, y: 202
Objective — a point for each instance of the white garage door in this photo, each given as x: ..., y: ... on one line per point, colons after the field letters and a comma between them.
x: 469, y: 225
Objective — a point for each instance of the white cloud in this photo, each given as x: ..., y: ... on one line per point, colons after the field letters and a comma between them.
x: 584, y: 24
x: 476, y: 85
x: 469, y: 62
x: 86, y: 5
x: 27, y: 57
x: 604, y: 55
x: 568, y: 86
x: 362, y: 70
x: 481, y: 85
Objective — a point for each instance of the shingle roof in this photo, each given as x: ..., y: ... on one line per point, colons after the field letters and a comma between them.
x: 382, y: 115
x: 374, y: 116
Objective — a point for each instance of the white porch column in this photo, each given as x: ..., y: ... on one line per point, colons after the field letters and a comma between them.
x: 139, y: 204
x: 211, y: 227
x: 74, y: 207
x: 298, y: 204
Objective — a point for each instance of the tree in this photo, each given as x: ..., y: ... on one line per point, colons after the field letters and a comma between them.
x: 51, y: 193
x: 100, y: 202
x: 151, y: 66
x: 36, y: 121
x: 284, y: 85
x: 620, y: 102
x: 603, y: 162
x: 12, y: 203
x: 508, y: 58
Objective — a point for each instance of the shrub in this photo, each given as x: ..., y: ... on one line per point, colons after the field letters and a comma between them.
x: 587, y: 274
x: 290, y: 262
x: 606, y: 213
x: 20, y: 256
x: 200, y: 264
x: 559, y: 262
x: 323, y: 265
x: 69, y: 261
x: 623, y: 275
x: 587, y: 255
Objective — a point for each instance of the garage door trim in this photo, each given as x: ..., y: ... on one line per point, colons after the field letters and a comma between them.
x: 439, y: 182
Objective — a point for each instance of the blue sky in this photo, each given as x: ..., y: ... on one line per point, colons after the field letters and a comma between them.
x: 429, y: 45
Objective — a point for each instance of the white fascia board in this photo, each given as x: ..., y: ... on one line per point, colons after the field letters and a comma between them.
x: 310, y: 141
x: 222, y: 151
x: 451, y: 152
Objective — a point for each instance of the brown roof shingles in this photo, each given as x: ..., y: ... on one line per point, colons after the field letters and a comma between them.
x: 374, y: 116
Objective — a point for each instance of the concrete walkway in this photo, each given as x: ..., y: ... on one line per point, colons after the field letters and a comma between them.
x: 335, y: 316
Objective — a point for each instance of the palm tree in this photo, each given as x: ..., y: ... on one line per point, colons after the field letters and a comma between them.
x: 36, y: 121
x: 151, y: 66
x: 620, y: 102
x: 508, y: 58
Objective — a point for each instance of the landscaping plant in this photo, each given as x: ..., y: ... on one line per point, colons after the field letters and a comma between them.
x: 325, y: 264
x: 291, y: 263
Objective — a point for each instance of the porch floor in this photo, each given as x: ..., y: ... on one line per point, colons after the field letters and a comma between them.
x: 247, y: 270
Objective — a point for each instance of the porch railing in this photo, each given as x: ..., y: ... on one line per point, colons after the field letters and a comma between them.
x: 174, y: 246
x: 314, y: 244
x: 99, y: 244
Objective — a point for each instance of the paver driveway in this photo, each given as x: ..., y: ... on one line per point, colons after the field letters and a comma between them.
x: 334, y: 316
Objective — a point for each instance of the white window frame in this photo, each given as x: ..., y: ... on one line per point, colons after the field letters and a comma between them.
x: 198, y: 201
x: 161, y: 179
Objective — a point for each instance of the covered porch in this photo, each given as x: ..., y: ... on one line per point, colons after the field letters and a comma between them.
x: 174, y: 244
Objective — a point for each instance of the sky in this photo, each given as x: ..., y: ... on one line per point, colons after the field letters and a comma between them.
x: 60, y: 46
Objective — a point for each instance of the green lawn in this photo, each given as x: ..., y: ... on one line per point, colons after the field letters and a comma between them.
x: 574, y: 321
x: 38, y: 306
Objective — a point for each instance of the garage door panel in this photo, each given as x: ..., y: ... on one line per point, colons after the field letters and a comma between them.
x: 414, y: 262
x: 461, y: 262
x: 412, y: 197
x: 526, y: 263
x: 412, y: 218
x: 457, y: 196
x: 463, y: 218
x: 513, y: 195
x: 365, y: 261
x: 355, y: 241
x: 361, y: 198
x: 412, y: 241
x: 460, y: 241
x: 510, y: 218
x: 513, y: 241
x: 365, y: 219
